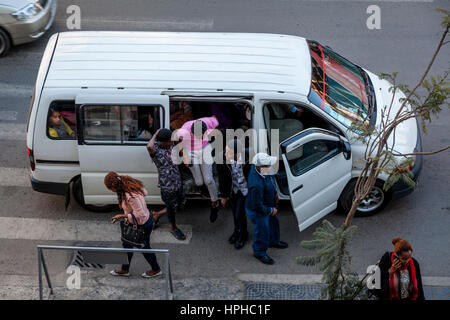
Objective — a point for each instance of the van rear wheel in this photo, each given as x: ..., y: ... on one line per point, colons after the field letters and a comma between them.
x: 375, y: 201
x: 77, y: 190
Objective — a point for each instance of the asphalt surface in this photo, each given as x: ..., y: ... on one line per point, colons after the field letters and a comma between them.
x: 408, y: 35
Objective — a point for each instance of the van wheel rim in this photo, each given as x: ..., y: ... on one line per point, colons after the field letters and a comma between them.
x: 373, y: 200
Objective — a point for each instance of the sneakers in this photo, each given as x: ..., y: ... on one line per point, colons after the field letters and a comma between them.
x: 265, y: 259
x: 120, y: 273
x: 148, y: 274
x: 151, y: 274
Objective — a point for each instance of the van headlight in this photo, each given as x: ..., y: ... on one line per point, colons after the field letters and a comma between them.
x: 27, y: 12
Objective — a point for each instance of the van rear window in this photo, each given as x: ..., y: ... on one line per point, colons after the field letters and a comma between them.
x: 119, y: 124
x: 61, y: 120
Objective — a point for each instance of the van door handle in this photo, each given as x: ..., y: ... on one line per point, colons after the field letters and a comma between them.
x: 298, y: 188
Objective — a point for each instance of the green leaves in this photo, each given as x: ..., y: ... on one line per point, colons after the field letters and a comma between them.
x: 333, y: 259
x: 446, y: 17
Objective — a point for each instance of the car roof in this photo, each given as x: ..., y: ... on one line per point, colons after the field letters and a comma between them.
x: 241, y: 62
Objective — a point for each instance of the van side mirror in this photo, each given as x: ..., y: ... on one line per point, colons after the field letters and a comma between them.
x: 345, y: 149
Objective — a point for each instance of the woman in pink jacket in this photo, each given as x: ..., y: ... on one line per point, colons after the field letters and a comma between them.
x: 197, y: 156
x: 130, y: 195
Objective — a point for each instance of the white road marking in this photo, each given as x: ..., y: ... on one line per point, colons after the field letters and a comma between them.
x: 13, y: 131
x: 7, y: 89
x: 8, y: 115
x: 76, y: 230
x: 14, y: 177
x: 188, y: 25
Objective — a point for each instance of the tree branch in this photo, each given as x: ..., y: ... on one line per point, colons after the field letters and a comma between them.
x: 420, y: 153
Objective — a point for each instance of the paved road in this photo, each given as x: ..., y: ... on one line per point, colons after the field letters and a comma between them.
x: 409, y: 32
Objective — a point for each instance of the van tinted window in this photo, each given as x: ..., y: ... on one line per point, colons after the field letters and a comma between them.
x: 61, y: 120
x: 120, y: 124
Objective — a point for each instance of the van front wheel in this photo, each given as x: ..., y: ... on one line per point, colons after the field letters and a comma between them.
x: 373, y: 203
x: 77, y: 190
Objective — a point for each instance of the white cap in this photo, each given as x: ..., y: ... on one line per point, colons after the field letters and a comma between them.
x: 263, y: 159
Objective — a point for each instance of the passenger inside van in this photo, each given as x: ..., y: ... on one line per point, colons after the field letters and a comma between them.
x: 57, y: 126
x: 180, y: 113
x: 230, y: 115
x: 146, y: 127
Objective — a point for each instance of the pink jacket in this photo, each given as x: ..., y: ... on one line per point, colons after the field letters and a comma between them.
x: 135, y: 203
x: 185, y: 132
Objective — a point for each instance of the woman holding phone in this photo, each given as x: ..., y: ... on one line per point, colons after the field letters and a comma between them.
x: 400, y: 273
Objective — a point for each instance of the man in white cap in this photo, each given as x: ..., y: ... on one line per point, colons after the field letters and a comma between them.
x: 261, y: 207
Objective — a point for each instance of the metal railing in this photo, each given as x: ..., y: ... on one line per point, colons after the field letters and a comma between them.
x: 42, y: 264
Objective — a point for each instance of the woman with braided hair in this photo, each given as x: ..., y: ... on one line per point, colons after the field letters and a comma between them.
x: 130, y: 195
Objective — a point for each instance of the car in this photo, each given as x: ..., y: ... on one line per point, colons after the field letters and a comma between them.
x: 23, y: 21
x: 101, y: 83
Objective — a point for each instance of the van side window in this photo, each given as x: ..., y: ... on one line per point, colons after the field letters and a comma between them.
x: 291, y: 119
x: 61, y: 120
x: 120, y: 124
x: 310, y: 155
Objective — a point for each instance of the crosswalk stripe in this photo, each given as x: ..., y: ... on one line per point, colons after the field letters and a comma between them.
x: 8, y: 115
x: 13, y: 131
x: 14, y: 177
x: 7, y: 89
x: 12, y: 228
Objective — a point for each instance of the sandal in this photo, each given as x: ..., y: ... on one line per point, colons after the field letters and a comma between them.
x: 178, y: 234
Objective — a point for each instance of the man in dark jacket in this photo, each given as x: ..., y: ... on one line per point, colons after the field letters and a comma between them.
x: 233, y: 177
x: 261, y: 207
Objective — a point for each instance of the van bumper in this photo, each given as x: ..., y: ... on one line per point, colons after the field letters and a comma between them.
x: 49, y: 187
x: 400, y: 189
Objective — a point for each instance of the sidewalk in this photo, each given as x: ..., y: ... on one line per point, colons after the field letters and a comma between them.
x: 99, y: 285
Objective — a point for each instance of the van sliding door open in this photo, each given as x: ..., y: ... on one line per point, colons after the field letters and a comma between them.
x: 113, y: 130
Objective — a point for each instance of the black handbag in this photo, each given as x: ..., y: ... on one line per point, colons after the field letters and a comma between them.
x: 133, y: 234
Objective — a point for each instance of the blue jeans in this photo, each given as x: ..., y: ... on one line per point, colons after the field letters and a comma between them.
x: 173, y: 200
x: 266, y: 232
x: 150, y: 257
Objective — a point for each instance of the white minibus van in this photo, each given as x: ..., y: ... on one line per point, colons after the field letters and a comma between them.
x: 105, y: 87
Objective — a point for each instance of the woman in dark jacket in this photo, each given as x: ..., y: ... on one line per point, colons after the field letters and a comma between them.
x: 400, y: 273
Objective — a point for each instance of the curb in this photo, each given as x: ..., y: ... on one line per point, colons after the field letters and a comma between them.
x: 310, y: 279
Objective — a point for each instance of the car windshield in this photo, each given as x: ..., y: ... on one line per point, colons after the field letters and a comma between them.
x: 338, y: 86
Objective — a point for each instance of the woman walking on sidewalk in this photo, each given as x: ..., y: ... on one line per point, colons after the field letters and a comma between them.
x: 130, y: 195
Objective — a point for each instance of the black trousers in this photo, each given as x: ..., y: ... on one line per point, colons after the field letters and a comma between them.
x: 237, y: 202
x: 150, y: 257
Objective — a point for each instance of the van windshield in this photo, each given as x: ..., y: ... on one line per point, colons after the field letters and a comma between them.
x: 339, y: 87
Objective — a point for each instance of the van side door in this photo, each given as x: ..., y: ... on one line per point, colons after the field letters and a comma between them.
x: 316, y: 162
x: 318, y: 166
x: 113, y: 131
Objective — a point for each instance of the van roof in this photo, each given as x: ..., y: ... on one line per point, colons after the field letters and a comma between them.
x: 241, y: 62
